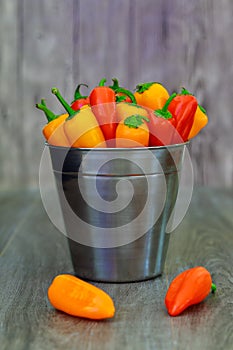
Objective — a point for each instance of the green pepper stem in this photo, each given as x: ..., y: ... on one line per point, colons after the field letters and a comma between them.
x: 135, y: 120
x: 67, y: 107
x: 77, y: 94
x: 127, y: 93
x: 202, y: 109
x: 140, y: 88
x: 120, y: 98
x: 165, y: 107
x: 164, y: 113
x: 49, y: 114
x: 102, y: 82
x: 185, y: 91
x: 43, y: 102
x: 115, y: 84
x: 213, y: 288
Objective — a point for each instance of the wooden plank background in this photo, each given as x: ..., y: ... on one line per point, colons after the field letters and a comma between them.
x: 61, y: 43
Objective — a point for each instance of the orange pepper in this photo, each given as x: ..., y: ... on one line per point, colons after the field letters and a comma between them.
x: 200, y: 121
x: 188, y: 288
x: 75, y: 297
x: 132, y: 132
x: 138, y: 98
x: 151, y: 95
x: 53, y: 131
x: 81, y: 127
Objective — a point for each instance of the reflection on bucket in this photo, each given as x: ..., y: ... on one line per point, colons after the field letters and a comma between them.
x: 116, y: 204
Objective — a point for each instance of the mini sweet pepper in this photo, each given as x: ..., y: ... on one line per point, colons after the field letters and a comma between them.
x: 190, y: 287
x: 81, y: 127
x: 132, y: 132
x: 103, y: 103
x: 200, y: 118
x: 53, y: 131
x: 183, y: 108
x: 152, y: 95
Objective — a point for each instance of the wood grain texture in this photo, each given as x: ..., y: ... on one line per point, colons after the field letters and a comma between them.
x: 37, y: 252
x: 50, y: 43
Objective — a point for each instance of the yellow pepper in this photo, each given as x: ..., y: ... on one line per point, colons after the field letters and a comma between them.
x: 81, y: 127
x: 200, y: 121
x: 125, y: 109
x: 151, y: 95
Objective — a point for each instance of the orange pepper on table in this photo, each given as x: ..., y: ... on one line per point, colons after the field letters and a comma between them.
x: 132, y: 132
x: 54, y: 131
x: 76, y: 297
x: 188, y: 288
x: 151, y: 95
x: 81, y: 127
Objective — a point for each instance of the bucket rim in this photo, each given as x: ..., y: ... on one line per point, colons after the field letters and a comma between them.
x: 117, y: 149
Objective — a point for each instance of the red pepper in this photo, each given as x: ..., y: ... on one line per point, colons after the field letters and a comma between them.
x: 183, y: 107
x: 188, y: 288
x: 103, y: 103
x: 162, y: 125
x: 79, y: 100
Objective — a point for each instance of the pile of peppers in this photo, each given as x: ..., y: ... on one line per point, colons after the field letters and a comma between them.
x: 112, y: 116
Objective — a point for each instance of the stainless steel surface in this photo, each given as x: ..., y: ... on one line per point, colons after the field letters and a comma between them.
x: 152, y: 174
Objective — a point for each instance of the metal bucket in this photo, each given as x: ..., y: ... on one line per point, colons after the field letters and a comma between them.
x: 117, y: 229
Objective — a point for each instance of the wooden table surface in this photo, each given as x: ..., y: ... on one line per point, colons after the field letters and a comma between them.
x: 32, y: 252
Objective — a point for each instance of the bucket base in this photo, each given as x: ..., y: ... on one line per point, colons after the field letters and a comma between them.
x: 112, y: 281
x: 129, y: 263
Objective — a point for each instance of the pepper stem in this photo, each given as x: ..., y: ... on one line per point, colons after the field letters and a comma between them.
x: 135, y: 120
x: 120, y: 98
x: 185, y: 91
x: 115, y: 84
x: 77, y: 94
x: 202, y: 109
x: 165, y: 107
x: 67, y: 107
x: 49, y: 114
x: 127, y: 93
x: 164, y: 113
x: 102, y: 82
x: 43, y: 102
x: 213, y: 288
x: 140, y: 88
